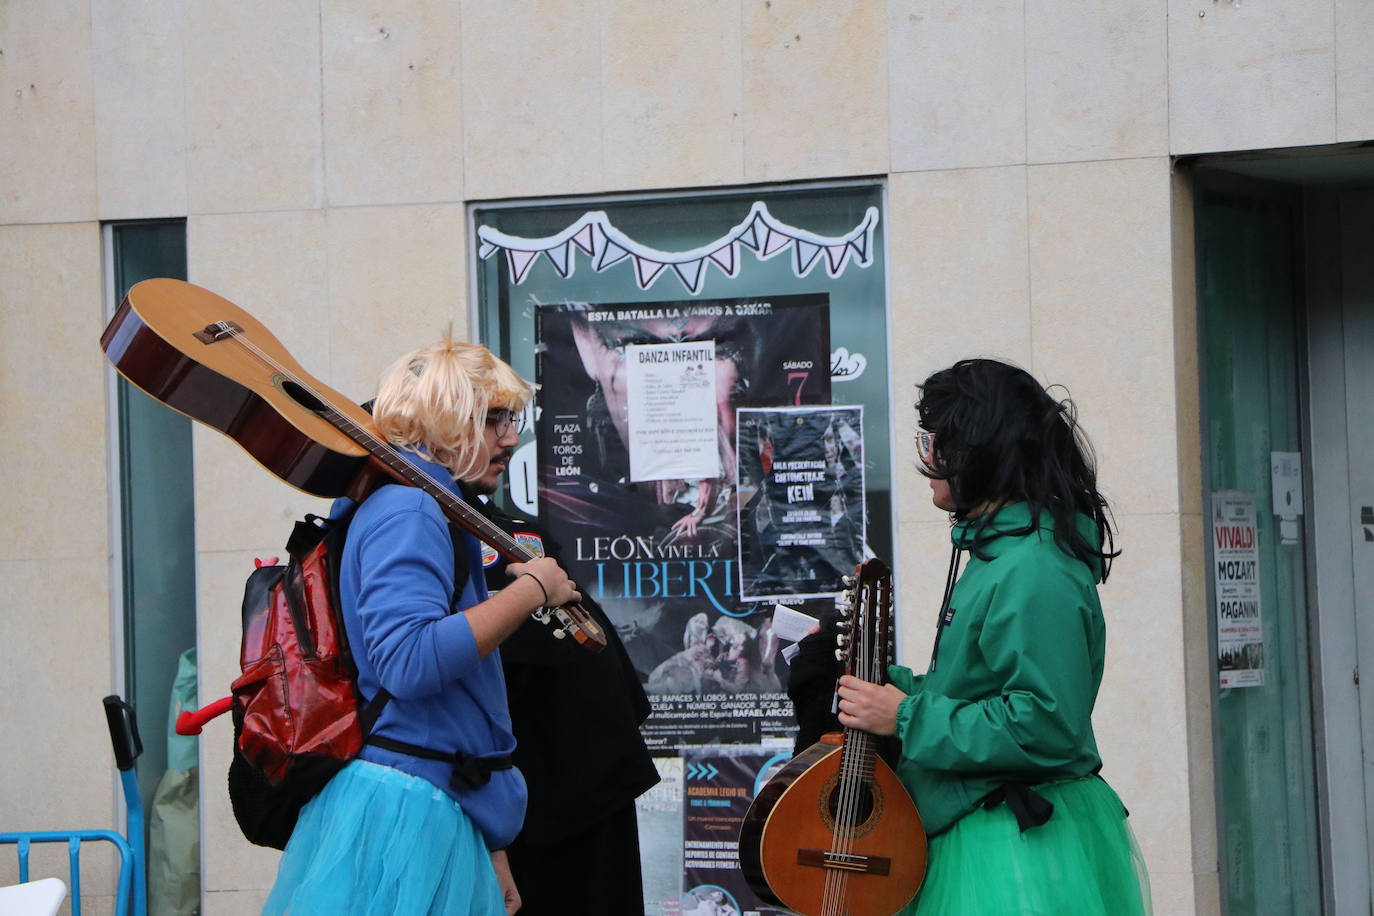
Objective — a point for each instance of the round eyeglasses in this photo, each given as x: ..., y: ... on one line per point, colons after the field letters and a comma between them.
x: 503, y: 421
x: 925, y: 446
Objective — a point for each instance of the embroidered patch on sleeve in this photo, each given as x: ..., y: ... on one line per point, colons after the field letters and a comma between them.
x: 531, y: 542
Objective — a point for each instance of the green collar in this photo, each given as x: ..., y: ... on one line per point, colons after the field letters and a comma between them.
x: 1014, y: 517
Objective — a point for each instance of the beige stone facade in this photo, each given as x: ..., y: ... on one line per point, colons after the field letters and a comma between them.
x: 323, y: 153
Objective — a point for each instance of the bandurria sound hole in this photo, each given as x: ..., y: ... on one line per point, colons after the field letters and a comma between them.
x: 858, y: 802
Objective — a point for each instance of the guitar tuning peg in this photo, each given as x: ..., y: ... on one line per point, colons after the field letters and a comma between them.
x: 541, y: 615
x: 841, y: 639
x: 847, y: 580
x: 843, y: 625
x: 839, y: 654
x: 560, y: 633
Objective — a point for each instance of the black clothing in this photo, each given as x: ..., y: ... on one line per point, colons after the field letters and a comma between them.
x: 597, y: 873
x: 811, y: 680
x: 576, y: 717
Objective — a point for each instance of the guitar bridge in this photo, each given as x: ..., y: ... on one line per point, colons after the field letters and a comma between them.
x: 844, y: 861
x: 217, y: 331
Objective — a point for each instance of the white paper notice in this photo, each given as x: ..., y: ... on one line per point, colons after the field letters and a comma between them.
x: 1235, y: 554
x: 791, y: 625
x: 672, y: 407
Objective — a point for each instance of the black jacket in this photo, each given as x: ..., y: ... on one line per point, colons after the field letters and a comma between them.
x: 811, y: 688
x: 575, y: 714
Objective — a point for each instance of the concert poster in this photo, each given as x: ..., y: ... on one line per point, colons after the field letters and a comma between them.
x: 1236, y: 581
x: 801, y: 501
x: 638, y: 479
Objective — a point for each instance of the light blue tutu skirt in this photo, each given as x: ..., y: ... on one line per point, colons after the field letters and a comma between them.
x: 377, y: 841
x: 1082, y: 861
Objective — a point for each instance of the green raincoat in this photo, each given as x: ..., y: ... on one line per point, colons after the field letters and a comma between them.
x: 1010, y: 690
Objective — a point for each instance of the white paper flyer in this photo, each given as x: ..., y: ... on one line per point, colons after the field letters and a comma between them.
x: 1235, y: 559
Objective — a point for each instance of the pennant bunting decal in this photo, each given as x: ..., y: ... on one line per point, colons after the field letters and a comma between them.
x: 749, y: 237
x: 586, y: 240
x: 646, y: 271
x: 519, y: 262
x: 773, y: 242
x: 834, y: 258
x: 610, y: 254
x: 561, y: 259
x: 596, y: 237
x: 725, y: 259
x: 691, y: 273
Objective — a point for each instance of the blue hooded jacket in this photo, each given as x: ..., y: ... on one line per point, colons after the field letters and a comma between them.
x: 395, y: 585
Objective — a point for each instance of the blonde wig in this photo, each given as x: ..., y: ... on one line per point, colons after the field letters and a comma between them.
x: 434, y: 401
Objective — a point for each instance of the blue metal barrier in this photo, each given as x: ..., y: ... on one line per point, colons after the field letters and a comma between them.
x: 132, y: 894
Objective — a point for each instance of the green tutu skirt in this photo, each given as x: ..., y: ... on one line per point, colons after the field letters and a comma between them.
x: 1082, y: 861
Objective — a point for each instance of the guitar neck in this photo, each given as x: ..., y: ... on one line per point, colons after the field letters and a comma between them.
x: 456, y: 509
x: 868, y: 657
x: 571, y: 617
x: 857, y: 755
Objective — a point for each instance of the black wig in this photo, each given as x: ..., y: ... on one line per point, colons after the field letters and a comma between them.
x: 1000, y: 438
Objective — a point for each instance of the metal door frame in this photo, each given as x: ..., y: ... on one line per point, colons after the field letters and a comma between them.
x: 1333, y: 523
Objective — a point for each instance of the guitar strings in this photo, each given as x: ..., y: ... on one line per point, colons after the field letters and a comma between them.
x: 868, y: 658
x: 572, y: 618
x: 835, y: 884
x: 854, y: 774
x: 838, y: 883
x: 858, y: 761
x: 390, y: 453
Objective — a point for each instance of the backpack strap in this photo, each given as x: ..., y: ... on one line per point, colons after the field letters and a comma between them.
x: 371, y: 711
x: 461, y: 572
x: 469, y: 772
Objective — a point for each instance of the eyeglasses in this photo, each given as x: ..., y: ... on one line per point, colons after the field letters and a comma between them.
x: 925, y: 446
x: 503, y: 421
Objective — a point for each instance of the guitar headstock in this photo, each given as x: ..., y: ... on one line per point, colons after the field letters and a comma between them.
x: 574, y: 620
x: 864, y: 642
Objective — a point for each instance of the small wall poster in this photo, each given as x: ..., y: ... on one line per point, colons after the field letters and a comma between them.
x: 1235, y: 562
x: 801, y: 500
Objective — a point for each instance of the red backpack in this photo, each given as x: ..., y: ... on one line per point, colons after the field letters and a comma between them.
x: 298, y: 715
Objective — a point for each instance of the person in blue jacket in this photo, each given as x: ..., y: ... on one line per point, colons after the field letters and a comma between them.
x: 419, y: 822
x: 997, y: 745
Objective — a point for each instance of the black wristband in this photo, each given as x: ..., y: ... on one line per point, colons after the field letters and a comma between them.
x: 541, y: 588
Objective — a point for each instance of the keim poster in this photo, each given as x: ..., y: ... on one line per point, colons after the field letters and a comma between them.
x: 1235, y: 552
x: 639, y: 473
x: 801, y: 501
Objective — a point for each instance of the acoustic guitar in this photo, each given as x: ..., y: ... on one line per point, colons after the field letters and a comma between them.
x: 205, y: 357
x: 834, y: 832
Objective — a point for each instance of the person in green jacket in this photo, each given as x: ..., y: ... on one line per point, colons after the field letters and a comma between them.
x: 997, y: 744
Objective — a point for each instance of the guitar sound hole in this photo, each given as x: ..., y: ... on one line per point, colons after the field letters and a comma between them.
x: 298, y: 393
x: 858, y: 804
